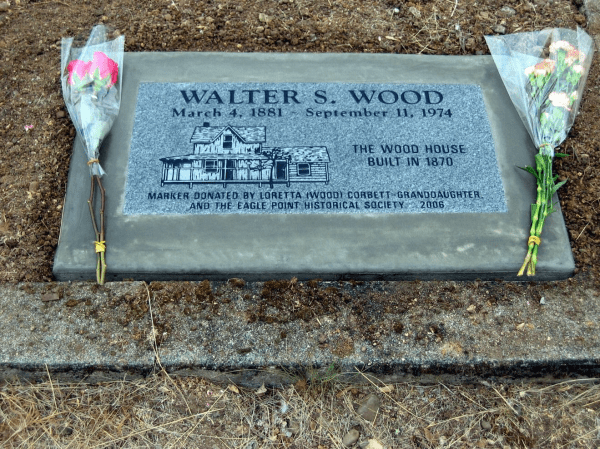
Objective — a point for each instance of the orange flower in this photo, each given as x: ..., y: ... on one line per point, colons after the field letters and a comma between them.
x: 574, y: 55
x: 543, y: 68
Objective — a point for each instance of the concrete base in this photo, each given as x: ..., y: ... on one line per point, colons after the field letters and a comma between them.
x: 259, y: 247
x: 79, y: 331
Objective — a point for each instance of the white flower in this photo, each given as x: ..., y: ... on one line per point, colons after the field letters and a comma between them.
x: 560, y: 100
x: 529, y: 70
x: 560, y: 45
x: 578, y: 69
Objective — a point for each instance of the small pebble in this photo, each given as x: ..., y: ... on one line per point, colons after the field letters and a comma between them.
x: 500, y: 29
x: 508, y: 11
x: 350, y: 438
x: 60, y: 114
x: 374, y: 444
x: 414, y: 11
x: 543, y: 301
x: 370, y: 408
x: 168, y: 17
x: 485, y: 425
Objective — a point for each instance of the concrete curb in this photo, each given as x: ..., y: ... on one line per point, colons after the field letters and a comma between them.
x: 82, y: 332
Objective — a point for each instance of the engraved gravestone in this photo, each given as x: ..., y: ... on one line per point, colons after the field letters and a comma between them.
x: 239, y: 148
x: 328, y: 166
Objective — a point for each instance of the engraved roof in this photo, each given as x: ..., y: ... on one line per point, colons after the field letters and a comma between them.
x: 305, y: 154
x: 213, y: 156
x: 247, y: 134
x: 295, y: 155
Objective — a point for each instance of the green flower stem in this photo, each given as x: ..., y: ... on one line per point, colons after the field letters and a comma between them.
x: 102, y: 275
x: 540, y: 210
x: 532, y: 231
x: 98, y: 231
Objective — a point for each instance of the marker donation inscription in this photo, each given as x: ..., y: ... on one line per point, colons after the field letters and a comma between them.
x: 231, y: 148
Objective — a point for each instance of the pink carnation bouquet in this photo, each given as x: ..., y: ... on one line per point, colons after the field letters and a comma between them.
x: 91, y: 84
x: 544, y: 73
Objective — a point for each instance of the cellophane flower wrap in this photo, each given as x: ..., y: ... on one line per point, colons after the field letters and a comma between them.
x: 91, y: 76
x: 544, y: 74
x: 91, y: 85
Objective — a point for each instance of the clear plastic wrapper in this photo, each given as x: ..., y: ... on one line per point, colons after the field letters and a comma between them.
x: 91, y: 85
x: 544, y: 73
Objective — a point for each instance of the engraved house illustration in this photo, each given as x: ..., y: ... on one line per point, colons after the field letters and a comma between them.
x: 235, y: 154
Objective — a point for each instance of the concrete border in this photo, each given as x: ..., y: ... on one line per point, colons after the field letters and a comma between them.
x: 82, y: 332
x: 458, y: 246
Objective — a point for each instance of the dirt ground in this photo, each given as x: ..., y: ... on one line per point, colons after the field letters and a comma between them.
x: 37, y: 137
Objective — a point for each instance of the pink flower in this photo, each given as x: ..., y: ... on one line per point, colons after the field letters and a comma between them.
x: 106, y: 67
x: 574, y: 55
x: 560, y: 100
x: 560, y: 45
x: 78, y: 68
x: 544, y: 68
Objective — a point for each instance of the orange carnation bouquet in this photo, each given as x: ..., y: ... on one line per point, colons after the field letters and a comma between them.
x: 544, y: 73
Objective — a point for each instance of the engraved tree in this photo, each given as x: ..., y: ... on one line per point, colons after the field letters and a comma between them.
x: 272, y: 155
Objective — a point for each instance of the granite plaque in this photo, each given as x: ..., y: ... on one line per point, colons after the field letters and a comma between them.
x: 247, y: 148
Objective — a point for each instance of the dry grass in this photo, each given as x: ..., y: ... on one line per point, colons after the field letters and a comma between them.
x: 160, y: 411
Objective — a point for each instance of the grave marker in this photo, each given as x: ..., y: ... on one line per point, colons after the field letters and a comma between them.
x: 311, y: 165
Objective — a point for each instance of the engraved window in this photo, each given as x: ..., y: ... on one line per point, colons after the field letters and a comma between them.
x: 211, y: 166
x: 227, y: 142
x: 303, y: 169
